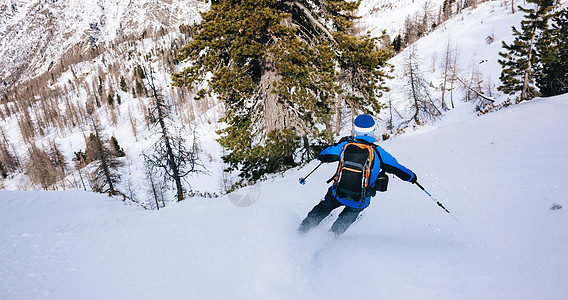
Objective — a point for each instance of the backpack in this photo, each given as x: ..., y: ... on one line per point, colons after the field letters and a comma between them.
x: 352, y: 178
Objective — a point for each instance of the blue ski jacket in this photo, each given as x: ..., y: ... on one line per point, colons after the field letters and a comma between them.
x: 389, y: 165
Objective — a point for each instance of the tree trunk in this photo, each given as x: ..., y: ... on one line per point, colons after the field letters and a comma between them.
x: 169, y: 151
x: 338, y: 115
x: 413, y: 88
x: 82, y: 181
x: 275, y: 115
x: 524, y: 95
x: 454, y: 76
x: 154, y: 191
x: 447, y: 59
x: 170, y: 156
x: 103, y: 153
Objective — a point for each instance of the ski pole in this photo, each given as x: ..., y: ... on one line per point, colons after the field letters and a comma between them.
x: 438, y: 202
x: 303, y: 179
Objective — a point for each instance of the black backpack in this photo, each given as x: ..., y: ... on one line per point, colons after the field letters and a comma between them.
x: 352, y: 178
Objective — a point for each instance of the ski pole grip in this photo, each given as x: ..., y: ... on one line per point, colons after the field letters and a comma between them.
x: 420, y: 186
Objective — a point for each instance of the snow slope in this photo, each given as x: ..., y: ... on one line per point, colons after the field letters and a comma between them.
x: 379, y: 15
x: 54, y: 27
x: 465, y: 38
x: 499, y: 174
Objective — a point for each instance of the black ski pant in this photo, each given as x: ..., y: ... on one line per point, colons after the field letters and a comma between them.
x: 347, y: 216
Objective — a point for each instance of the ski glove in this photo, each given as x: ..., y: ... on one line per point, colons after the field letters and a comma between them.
x: 414, y: 178
x: 371, y: 192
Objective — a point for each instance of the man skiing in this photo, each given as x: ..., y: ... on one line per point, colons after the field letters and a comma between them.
x: 360, y: 174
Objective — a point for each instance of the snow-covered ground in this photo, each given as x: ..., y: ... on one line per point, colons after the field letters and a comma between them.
x: 499, y: 174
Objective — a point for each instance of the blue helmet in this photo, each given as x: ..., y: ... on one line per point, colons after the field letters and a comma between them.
x: 364, y: 125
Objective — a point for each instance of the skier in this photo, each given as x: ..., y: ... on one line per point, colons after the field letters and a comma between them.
x: 360, y: 174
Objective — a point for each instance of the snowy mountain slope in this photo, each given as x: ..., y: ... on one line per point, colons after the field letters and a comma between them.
x: 120, y: 55
x: 498, y: 173
x: 378, y: 15
x: 471, y: 42
x: 51, y: 28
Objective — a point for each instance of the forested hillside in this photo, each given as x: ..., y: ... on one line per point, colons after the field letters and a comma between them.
x: 158, y: 102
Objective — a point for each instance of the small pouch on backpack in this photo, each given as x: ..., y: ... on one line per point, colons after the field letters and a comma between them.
x: 382, y: 182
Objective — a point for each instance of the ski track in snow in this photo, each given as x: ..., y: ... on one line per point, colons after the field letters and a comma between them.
x: 498, y: 173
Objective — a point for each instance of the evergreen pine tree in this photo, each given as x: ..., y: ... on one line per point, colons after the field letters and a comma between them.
x: 115, y: 147
x: 140, y: 72
x: 447, y: 9
x: 281, y: 65
x: 123, y: 84
x: 521, y: 58
x: 139, y: 88
x: 106, y: 174
x: 57, y: 159
x: 397, y: 43
x: 552, y: 48
x: 3, y: 171
x: 8, y: 161
x: 100, y: 89
x: 562, y: 31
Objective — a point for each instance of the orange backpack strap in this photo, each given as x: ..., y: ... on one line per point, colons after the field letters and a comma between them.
x: 339, y: 165
x: 369, y: 147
